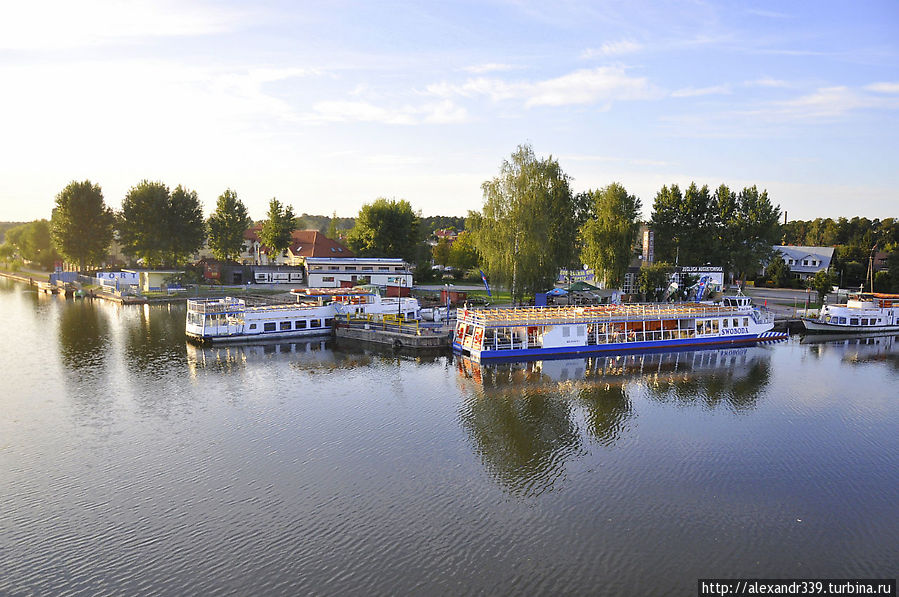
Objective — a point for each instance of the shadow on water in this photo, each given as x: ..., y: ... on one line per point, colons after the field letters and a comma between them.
x: 522, y: 417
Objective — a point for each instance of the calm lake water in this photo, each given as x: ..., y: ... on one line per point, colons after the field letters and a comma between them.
x: 134, y: 463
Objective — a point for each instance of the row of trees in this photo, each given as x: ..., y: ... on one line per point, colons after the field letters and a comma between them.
x: 531, y: 225
x: 160, y: 226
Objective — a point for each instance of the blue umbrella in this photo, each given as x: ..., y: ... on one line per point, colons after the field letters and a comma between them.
x: 557, y: 292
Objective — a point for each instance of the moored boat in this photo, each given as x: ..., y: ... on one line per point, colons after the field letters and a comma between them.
x: 537, y: 332
x: 863, y: 312
x: 230, y: 319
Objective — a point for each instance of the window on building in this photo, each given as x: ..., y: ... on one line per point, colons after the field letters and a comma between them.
x: 383, y: 269
x: 334, y: 268
x: 327, y: 278
x: 350, y: 268
x: 269, y: 327
x: 285, y: 325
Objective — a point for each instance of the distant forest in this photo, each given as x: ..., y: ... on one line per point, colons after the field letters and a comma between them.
x: 854, y: 239
x: 427, y: 225
x: 4, y: 226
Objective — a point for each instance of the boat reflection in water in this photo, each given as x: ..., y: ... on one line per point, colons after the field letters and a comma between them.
x: 528, y: 420
x: 867, y: 348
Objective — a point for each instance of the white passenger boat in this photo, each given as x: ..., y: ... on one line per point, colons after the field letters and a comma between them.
x: 862, y: 313
x: 230, y: 319
x: 538, y: 332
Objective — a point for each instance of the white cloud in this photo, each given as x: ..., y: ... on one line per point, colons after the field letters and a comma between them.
x: 489, y: 67
x: 613, y: 48
x: 883, y: 87
x: 66, y: 24
x: 443, y: 112
x: 826, y: 102
x: 768, y: 82
x: 585, y: 86
x: 696, y: 92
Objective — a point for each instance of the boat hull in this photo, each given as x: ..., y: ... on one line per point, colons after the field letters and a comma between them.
x: 537, y: 353
x: 259, y: 337
x: 817, y: 326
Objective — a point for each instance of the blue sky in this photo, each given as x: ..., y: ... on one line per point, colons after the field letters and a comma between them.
x: 328, y: 105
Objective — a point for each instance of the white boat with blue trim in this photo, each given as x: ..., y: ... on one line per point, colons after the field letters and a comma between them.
x: 231, y: 320
x: 538, y: 332
x: 863, y: 312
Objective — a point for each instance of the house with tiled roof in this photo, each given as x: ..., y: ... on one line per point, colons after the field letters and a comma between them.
x: 304, y: 243
x: 805, y: 262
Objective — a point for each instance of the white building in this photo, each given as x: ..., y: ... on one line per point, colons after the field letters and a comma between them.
x: 805, y: 262
x: 332, y: 272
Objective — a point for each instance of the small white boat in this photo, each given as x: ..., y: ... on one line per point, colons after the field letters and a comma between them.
x: 864, y: 312
x: 229, y: 319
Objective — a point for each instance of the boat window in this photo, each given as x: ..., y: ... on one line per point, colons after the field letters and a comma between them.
x: 853, y: 321
x: 566, y: 332
x: 300, y: 324
x: 410, y: 315
x: 580, y: 330
x: 725, y: 322
x: 745, y: 322
x: 315, y: 323
x: 698, y: 326
x: 864, y: 322
x: 737, y: 323
x: 285, y: 325
x: 252, y: 326
x: 269, y: 327
x: 329, y: 323
x: 714, y: 326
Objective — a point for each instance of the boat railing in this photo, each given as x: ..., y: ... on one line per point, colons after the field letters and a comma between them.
x: 527, y: 316
x: 385, y: 322
x: 221, y: 305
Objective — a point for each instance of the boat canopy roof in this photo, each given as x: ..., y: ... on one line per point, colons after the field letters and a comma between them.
x: 589, y: 314
x: 331, y: 291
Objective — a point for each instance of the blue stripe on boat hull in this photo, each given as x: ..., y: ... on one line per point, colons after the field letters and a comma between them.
x: 628, y: 347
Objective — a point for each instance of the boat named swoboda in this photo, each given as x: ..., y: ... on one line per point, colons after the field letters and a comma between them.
x: 862, y: 312
x: 537, y: 332
x: 230, y: 319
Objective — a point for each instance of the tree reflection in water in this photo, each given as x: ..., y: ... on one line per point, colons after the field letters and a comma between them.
x: 522, y: 418
x: 83, y: 336
x: 154, y: 338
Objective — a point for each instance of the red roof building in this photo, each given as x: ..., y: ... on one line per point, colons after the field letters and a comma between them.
x: 304, y: 243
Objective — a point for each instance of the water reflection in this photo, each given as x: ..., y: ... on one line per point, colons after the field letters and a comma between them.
x: 154, y: 338
x: 734, y: 377
x: 83, y: 335
x: 321, y: 353
x: 875, y: 348
x: 527, y: 420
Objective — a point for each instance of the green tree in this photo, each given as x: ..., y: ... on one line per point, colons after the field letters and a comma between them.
x: 385, y: 228
x: 227, y: 225
x: 821, y: 282
x: 441, y: 252
x: 608, y: 236
x: 161, y: 227
x: 684, y: 224
x: 654, y: 280
x: 893, y: 269
x: 81, y: 226
x: 463, y: 254
x: 332, y: 227
x: 277, y: 230
x: 527, y: 228
x: 777, y: 271
x: 755, y: 229
x: 32, y: 243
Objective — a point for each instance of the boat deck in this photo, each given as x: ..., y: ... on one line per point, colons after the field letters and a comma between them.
x: 529, y: 316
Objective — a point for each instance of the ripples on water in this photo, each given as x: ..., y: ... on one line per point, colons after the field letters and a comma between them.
x: 135, y: 463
